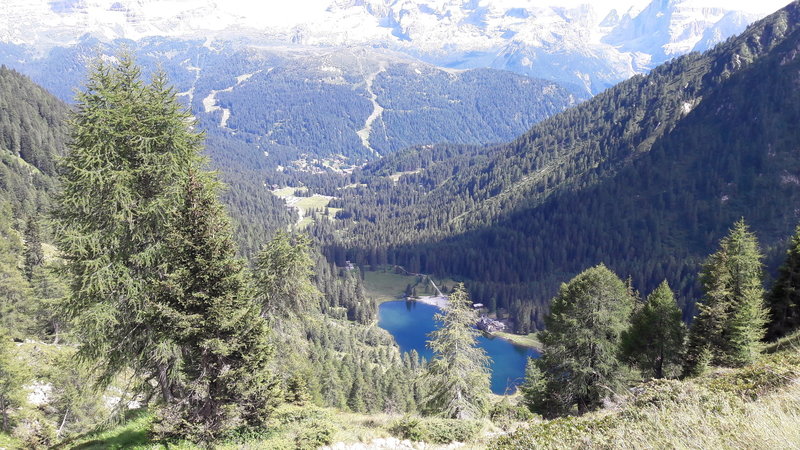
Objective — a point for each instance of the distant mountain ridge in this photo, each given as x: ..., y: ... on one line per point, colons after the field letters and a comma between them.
x: 589, y: 45
x: 296, y: 104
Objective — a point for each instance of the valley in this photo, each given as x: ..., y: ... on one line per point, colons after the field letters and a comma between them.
x: 399, y: 224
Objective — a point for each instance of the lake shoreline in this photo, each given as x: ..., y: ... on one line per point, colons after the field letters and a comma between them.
x: 439, y: 301
x: 411, y: 323
x: 527, y: 341
x: 522, y: 340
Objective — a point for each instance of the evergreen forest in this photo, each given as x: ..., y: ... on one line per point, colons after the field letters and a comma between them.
x: 156, y: 290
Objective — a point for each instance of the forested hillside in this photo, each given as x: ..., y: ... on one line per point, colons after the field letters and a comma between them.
x: 146, y: 303
x: 50, y: 180
x: 33, y: 133
x: 644, y: 177
x: 303, y: 104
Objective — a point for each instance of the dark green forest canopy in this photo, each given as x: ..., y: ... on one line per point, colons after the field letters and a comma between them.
x: 644, y: 177
x: 33, y: 133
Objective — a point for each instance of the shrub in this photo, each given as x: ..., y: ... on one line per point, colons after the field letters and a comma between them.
x: 564, y: 432
x: 315, y: 434
x: 34, y: 431
x: 293, y: 414
x: 435, y: 430
x: 311, y: 427
x: 505, y: 415
x: 408, y: 428
x: 445, y: 431
x: 766, y: 375
x: 663, y: 393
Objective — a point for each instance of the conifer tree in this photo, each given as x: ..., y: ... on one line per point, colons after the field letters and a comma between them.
x: 282, y: 277
x: 458, y: 374
x: 732, y: 317
x: 34, y: 255
x: 355, y: 398
x: 205, y: 300
x: 132, y: 144
x: 49, y: 289
x: 13, y: 377
x: 654, y: 341
x: 534, y: 388
x: 580, y: 364
x: 15, y: 293
x: 784, y: 299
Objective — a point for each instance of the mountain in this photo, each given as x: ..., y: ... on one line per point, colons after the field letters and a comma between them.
x: 589, y: 45
x: 645, y: 177
x: 33, y: 134
x: 284, y: 102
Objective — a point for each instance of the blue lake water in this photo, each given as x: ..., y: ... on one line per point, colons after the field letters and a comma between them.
x: 411, y: 322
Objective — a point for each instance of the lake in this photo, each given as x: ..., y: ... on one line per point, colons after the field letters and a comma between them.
x: 411, y: 322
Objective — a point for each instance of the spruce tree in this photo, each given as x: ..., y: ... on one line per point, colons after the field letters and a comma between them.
x: 580, y: 364
x: 34, y: 255
x: 50, y: 289
x: 13, y: 377
x: 732, y: 317
x: 784, y: 299
x: 534, y: 388
x: 282, y: 277
x: 654, y: 341
x: 132, y: 145
x: 205, y: 300
x: 16, y: 303
x: 355, y: 398
x: 458, y: 374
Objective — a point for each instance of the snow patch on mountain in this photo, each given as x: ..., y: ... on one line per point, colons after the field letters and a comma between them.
x: 589, y: 44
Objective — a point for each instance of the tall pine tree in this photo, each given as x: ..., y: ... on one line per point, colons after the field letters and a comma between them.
x: 16, y: 304
x: 282, y: 276
x: 784, y: 299
x: 223, y: 377
x: 654, y: 341
x: 458, y: 374
x: 580, y: 364
x: 132, y: 145
x: 731, y: 323
x: 13, y: 377
x: 34, y: 255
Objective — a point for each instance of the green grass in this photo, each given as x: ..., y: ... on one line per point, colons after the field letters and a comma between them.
x: 7, y: 441
x: 287, y: 428
x: 314, y: 202
x: 306, y: 204
x: 753, y: 407
x: 525, y: 340
x: 133, y: 434
x: 304, y: 223
x: 284, y: 192
x: 332, y: 212
x: 384, y: 285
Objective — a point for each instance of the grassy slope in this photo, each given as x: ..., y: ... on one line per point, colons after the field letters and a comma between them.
x: 284, y: 434
x: 755, y: 407
x: 306, y: 204
x: 525, y: 340
x: 385, y: 285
